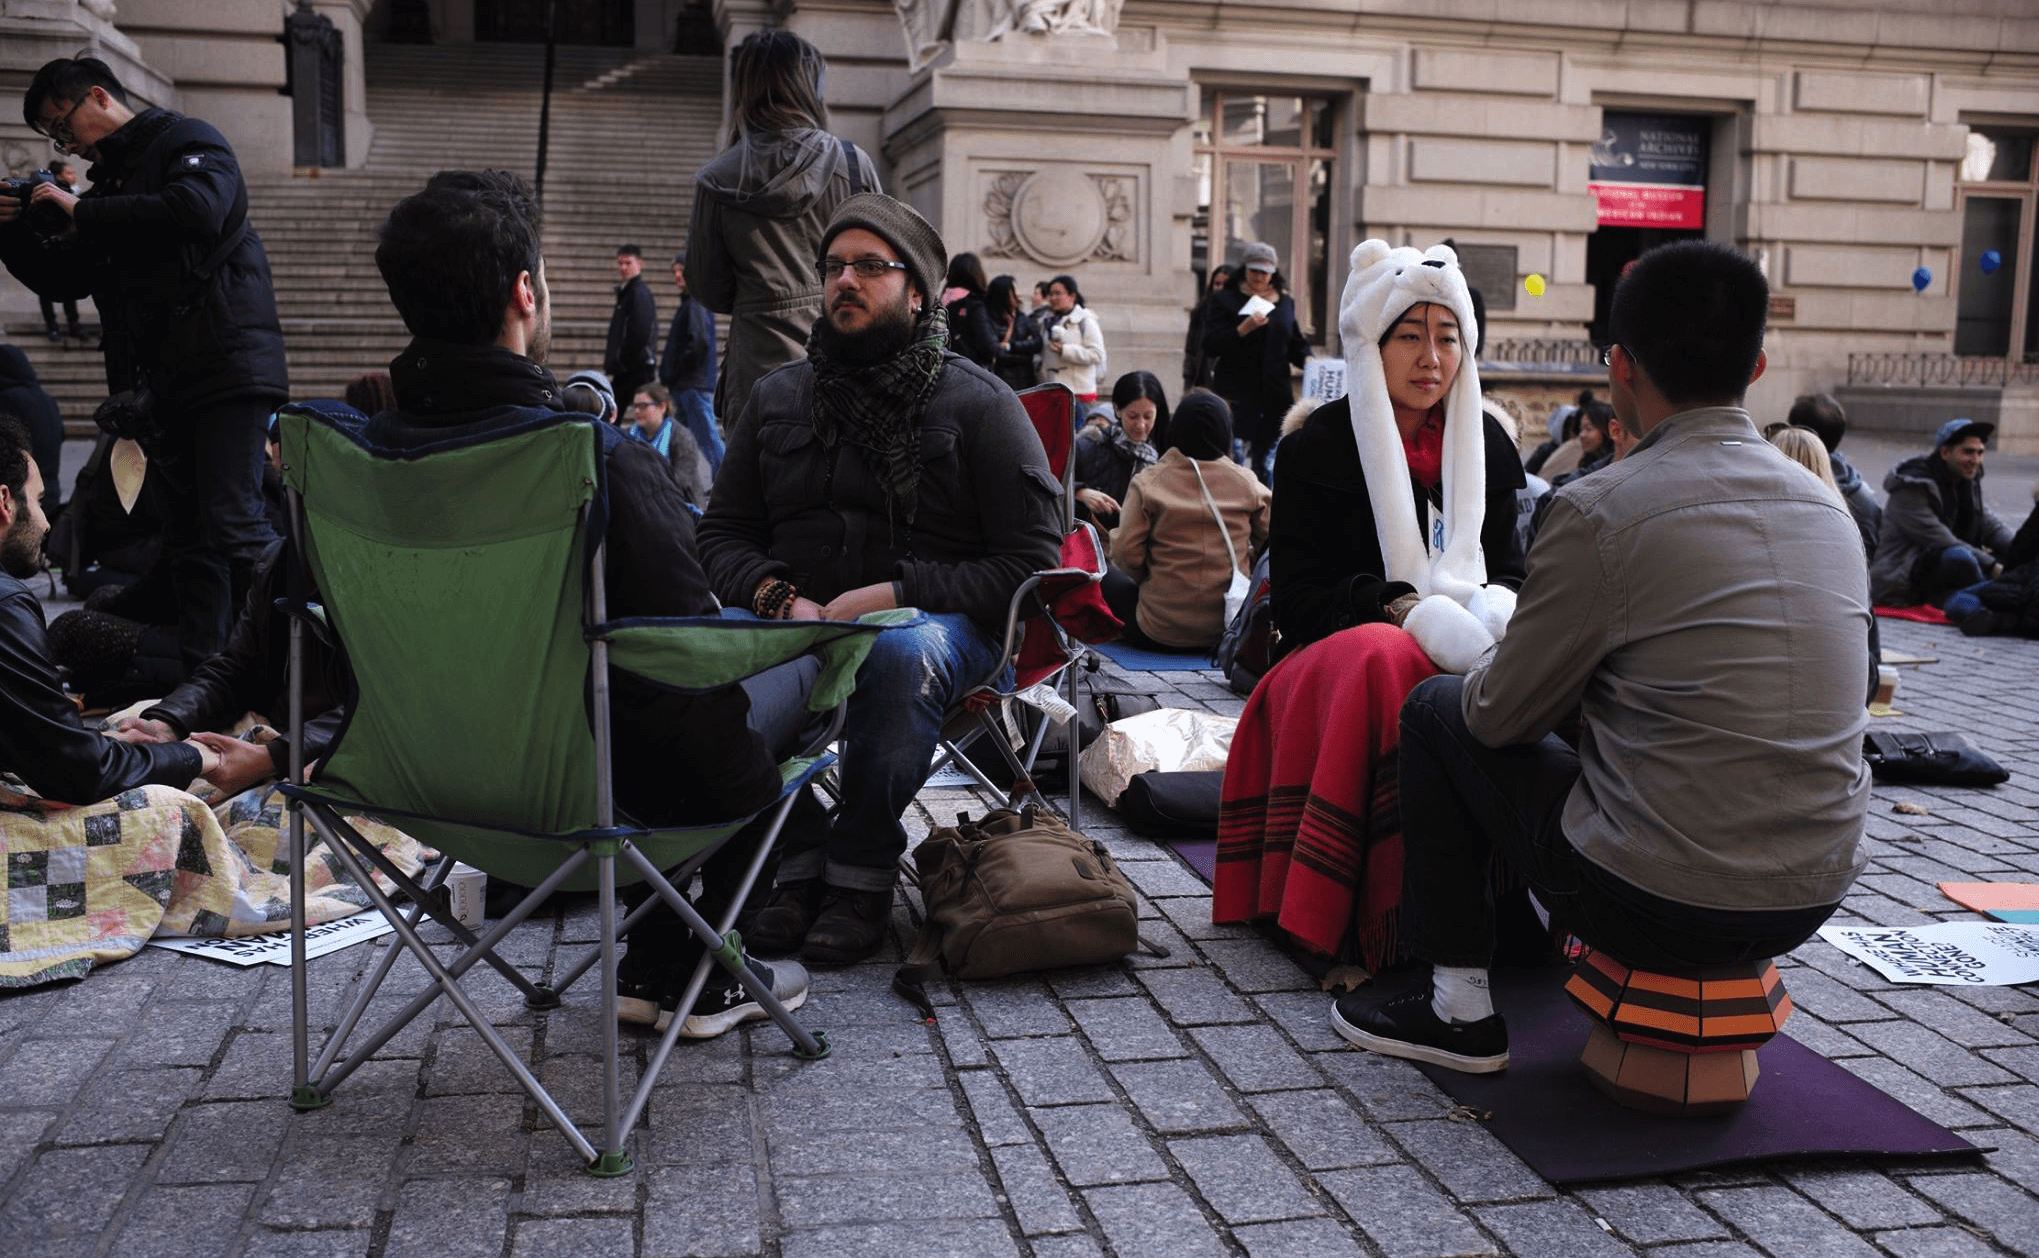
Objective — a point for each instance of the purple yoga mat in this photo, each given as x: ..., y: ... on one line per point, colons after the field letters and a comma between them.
x: 1200, y: 854
x: 1555, y: 1120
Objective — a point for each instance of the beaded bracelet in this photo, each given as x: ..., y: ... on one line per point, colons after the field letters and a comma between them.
x: 773, y: 599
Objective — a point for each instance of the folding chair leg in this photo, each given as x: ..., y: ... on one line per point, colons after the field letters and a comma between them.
x: 449, y: 984
x: 613, y: 1160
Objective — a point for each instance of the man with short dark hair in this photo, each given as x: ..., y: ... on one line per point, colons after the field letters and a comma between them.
x: 631, y: 356
x: 462, y: 263
x: 688, y: 368
x: 1703, y: 604
x: 163, y: 245
x: 881, y: 471
x: 42, y: 741
x: 1939, y: 536
x: 1821, y: 414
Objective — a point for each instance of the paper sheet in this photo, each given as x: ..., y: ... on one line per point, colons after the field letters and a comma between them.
x: 1958, y: 954
x: 274, y: 949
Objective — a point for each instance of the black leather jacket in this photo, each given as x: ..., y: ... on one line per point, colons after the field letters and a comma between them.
x: 41, y: 737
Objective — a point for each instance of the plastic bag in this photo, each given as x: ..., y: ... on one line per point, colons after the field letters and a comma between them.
x: 1169, y: 739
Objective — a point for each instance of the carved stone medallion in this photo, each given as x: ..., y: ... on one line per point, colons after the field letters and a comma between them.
x: 1058, y: 217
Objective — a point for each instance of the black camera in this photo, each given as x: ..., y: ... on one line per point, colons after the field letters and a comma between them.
x: 44, y: 219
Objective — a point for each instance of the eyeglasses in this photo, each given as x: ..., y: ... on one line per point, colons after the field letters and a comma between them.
x: 643, y: 406
x: 866, y: 268
x: 1607, y: 355
x: 59, y: 131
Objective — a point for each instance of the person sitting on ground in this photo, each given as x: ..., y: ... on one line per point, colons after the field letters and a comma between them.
x: 42, y: 739
x: 1938, y: 535
x: 1564, y: 425
x: 882, y: 471
x: 22, y: 396
x: 651, y: 421
x: 1392, y: 554
x: 971, y: 332
x: 1595, y: 450
x: 462, y: 262
x: 1713, y: 810
x: 1170, y: 564
x: 1107, y: 458
x: 1821, y: 414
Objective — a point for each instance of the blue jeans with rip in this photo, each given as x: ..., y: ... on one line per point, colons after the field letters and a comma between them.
x: 696, y: 409
x: 908, y: 683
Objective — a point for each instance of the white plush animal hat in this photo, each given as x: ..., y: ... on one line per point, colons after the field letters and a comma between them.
x: 1384, y: 283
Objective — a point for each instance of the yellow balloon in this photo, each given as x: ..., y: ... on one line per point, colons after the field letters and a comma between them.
x: 1535, y: 285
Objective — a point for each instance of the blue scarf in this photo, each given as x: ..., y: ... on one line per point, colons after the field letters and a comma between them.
x: 661, y: 442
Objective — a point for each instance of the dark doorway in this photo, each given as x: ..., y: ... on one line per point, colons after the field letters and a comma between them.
x: 606, y: 22
x: 1608, y: 251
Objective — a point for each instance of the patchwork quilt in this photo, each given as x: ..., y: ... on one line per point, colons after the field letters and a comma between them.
x: 88, y: 885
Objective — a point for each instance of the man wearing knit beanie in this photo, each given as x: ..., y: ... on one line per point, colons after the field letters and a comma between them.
x: 881, y: 471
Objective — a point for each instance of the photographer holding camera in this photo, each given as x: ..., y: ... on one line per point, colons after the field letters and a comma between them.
x: 194, y: 353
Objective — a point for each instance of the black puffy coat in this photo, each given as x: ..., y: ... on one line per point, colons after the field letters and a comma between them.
x: 1252, y: 371
x: 164, y: 249
x: 22, y: 396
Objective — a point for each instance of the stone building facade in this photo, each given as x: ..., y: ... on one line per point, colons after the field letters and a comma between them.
x: 1878, y: 158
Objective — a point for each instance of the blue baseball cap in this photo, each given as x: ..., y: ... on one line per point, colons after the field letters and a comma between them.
x: 1959, y: 429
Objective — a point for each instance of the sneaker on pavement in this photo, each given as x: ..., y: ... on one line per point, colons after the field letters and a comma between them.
x: 1406, y: 1026
x: 781, y: 926
x: 723, y: 1002
x: 638, y: 988
x: 850, y: 926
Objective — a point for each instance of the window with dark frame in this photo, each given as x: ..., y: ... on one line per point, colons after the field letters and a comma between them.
x: 1265, y: 166
x: 1997, y: 298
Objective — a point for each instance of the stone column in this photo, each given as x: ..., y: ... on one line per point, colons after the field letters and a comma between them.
x: 1055, y: 153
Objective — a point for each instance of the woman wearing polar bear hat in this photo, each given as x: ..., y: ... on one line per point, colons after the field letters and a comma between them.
x: 1393, y: 556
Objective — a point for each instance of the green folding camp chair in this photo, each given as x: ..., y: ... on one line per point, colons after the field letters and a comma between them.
x: 464, y: 583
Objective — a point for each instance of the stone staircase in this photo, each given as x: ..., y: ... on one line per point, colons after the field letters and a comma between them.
x: 628, y: 130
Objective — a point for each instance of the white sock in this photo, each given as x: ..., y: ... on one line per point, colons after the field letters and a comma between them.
x: 1458, y: 993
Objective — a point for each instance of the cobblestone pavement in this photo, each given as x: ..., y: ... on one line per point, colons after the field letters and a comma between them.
x: 1179, y: 1107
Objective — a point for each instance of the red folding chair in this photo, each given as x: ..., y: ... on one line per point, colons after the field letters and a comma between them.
x: 1052, y: 615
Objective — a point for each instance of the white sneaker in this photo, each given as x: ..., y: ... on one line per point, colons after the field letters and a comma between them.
x: 723, y: 1002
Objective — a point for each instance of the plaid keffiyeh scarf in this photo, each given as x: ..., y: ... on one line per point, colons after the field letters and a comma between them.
x: 876, y: 408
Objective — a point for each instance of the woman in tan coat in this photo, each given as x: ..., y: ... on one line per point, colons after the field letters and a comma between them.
x: 1171, y: 566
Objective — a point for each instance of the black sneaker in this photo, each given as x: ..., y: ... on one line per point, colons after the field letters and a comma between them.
x: 781, y: 926
x: 723, y: 1002
x: 638, y: 989
x: 850, y: 926
x: 1407, y: 1026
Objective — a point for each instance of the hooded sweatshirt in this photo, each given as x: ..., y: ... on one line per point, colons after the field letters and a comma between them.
x: 754, y: 246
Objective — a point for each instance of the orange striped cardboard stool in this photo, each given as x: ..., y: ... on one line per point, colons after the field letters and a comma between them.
x: 1676, y: 1043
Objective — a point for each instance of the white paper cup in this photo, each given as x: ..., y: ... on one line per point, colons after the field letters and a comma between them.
x: 467, y: 893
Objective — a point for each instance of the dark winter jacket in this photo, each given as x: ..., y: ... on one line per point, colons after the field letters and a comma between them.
x: 689, y: 361
x: 1015, y: 363
x: 786, y: 507
x: 1252, y: 371
x: 1326, y: 568
x: 970, y: 331
x: 1861, y: 500
x: 43, y: 742
x: 1927, y: 508
x: 630, y: 357
x: 22, y: 397
x: 164, y: 249
x: 672, y: 751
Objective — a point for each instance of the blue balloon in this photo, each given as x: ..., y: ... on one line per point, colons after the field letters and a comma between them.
x: 1991, y: 260
x: 1920, y: 278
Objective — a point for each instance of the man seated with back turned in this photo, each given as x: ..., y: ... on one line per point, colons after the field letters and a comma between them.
x: 461, y: 261
x: 881, y: 471
x: 1705, y: 604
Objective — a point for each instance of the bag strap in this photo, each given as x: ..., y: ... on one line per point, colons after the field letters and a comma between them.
x: 856, y: 170
x: 1231, y: 551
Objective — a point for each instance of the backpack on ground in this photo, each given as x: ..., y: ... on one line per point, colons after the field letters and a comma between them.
x: 1246, y: 649
x: 1013, y: 892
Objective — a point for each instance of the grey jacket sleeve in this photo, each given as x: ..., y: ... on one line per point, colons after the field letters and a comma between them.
x: 1909, y: 520
x: 710, y: 280
x: 1562, y: 628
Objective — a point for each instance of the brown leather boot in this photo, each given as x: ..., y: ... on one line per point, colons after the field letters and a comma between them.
x: 782, y: 925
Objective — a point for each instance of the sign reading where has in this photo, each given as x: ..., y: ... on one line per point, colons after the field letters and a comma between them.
x: 1649, y: 170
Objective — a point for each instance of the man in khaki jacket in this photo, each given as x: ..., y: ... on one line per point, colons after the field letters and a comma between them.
x: 1705, y: 605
